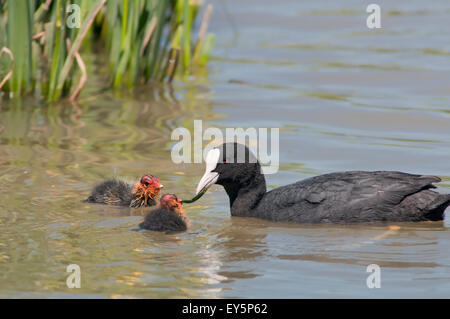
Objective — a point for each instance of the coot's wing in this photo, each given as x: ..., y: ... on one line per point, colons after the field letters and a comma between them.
x: 340, y: 196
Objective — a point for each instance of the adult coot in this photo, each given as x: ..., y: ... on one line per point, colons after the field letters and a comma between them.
x: 169, y: 217
x: 120, y: 193
x: 344, y: 197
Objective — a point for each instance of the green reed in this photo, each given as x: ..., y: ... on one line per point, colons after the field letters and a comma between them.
x: 144, y: 40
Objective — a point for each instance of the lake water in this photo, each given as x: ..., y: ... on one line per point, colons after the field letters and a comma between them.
x: 344, y: 97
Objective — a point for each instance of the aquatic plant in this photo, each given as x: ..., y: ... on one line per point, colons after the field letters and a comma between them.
x: 42, y: 41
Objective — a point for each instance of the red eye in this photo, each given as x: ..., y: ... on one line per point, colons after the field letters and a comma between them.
x: 224, y: 161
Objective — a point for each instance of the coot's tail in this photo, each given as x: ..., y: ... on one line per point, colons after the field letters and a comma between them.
x: 90, y: 199
x: 437, y: 208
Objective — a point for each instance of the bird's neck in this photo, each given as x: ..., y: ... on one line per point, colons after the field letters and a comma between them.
x: 245, y: 196
x: 143, y: 196
x: 180, y: 211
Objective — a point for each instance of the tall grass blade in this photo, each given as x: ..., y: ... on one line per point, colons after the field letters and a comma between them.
x: 19, y: 26
x: 75, y: 47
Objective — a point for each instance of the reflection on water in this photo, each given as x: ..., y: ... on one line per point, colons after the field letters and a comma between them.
x: 343, y: 97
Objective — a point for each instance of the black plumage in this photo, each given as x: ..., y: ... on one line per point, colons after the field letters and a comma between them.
x: 112, y: 192
x: 344, y: 197
x: 161, y: 219
x: 120, y: 193
x: 169, y: 217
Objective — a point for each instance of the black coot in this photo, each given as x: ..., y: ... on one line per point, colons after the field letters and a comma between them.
x: 119, y: 193
x: 344, y: 197
x: 169, y: 217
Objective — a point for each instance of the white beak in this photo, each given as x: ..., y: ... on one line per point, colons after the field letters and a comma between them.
x: 209, y: 177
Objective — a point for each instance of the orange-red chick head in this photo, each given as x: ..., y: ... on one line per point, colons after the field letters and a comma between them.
x: 148, y: 187
x: 171, y: 202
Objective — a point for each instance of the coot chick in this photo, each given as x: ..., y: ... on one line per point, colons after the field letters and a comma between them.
x: 119, y: 193
x: 169, y: 217
x: 344, y: 197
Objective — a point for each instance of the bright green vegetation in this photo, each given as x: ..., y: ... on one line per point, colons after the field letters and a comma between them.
x: 143, y: 40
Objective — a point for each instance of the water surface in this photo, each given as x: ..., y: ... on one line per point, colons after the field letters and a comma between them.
x: 344, y: 97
